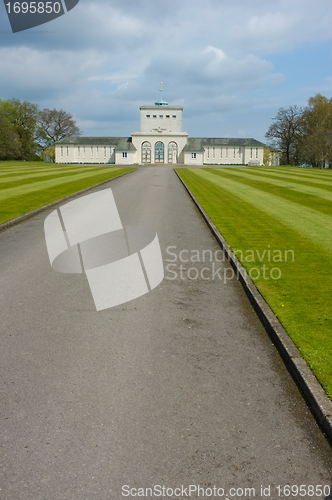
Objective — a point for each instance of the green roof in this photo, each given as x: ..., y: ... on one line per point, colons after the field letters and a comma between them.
x: 161, y: 103
x: 194, y: 144
x: 119, y: 143
x: 125, y: 144
x: 199, y: 143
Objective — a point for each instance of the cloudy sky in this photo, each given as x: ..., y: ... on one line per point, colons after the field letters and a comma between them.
x: 230, y: 63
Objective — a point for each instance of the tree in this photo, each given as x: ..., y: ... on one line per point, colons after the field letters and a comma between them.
x: 284, y: 134
x: 50, y: 153
x: 55, y: 125
x: 267, y: 157
x: 23, y: 118
x: 26, y: 131
x: 316, y: 132
x: 9, y: 140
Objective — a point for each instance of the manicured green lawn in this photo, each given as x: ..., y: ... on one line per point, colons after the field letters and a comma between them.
x: 26, y: 186
x: 286, y: 212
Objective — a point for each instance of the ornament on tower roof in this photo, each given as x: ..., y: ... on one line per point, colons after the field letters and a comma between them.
x: 161, y: 102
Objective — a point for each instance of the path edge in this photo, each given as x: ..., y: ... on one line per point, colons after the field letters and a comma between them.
x: 313, y: 393
x: 21, y: 218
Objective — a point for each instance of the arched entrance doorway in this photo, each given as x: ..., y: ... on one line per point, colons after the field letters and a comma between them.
x: 172, y: 152
x: 159, y: 152
x: 146, y: 152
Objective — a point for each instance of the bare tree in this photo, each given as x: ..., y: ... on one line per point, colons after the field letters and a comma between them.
x: 284, y: 133
x: 55, y: 125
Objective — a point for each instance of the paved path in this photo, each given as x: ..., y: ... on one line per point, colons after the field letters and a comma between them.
x: 181, y: 386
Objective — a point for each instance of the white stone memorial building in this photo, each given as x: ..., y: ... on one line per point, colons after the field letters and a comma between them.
x: 160, y: 140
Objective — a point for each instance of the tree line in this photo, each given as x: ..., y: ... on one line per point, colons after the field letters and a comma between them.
x: 26, y: 131
x: 304, y: 135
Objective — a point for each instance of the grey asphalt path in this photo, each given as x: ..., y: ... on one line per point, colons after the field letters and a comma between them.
x: 179, y: 387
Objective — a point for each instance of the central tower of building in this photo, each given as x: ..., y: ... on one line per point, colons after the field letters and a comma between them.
x: 160, y: 139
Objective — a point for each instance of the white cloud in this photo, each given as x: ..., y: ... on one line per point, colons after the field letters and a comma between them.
x: 214, y: 71
x: 43, y: 71
x: 218, y: 53
x: 286, y: 25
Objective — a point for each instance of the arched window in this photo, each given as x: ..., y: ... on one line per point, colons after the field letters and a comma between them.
x: 146, y: 152
x: 159, y: 152
x: 172, y: 152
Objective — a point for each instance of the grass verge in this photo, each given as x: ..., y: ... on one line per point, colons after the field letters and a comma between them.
x: 26, y: 186
x: 278, y: 221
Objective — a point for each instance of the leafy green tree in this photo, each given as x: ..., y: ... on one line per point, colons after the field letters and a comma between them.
x: 284, y: 134
x: 23, y: 117
x: 316, y: 132
x: 55, y: 125
x: 9, y: 140
x: 50, y: 152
